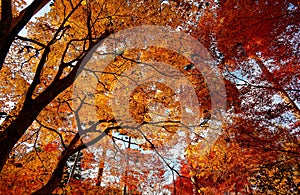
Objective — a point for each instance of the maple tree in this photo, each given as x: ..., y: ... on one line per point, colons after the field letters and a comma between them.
x: 46, y: 120
x: 256, y: 45
x: 183, y: 184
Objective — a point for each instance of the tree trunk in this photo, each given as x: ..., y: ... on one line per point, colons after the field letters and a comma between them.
x: 283, y: 94
x: 57, y: 174
x: 12, y: 132
x: 55, y: 177
x: 101, y: 168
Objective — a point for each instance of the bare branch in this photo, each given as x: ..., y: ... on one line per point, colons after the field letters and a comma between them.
x: 53, y: 130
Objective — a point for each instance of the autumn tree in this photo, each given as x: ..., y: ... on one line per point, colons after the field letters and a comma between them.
x: 41, y: 128
x: 49, y: 112
x: 255, y: 43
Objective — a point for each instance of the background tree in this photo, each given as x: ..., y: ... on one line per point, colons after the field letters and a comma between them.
x: 255, y: 44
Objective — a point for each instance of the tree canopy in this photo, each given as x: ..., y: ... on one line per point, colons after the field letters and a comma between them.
x: 161, y: 97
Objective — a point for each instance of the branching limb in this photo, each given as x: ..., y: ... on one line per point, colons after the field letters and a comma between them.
x: 53, y: 130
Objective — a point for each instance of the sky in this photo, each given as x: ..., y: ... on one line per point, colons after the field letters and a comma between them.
x: 40, y: 13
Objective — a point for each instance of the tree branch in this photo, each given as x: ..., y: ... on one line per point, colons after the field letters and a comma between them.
x: 10, y: 29
x: 284, y: 95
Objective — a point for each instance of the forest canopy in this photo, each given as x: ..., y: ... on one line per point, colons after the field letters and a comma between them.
x: 149, y: 97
